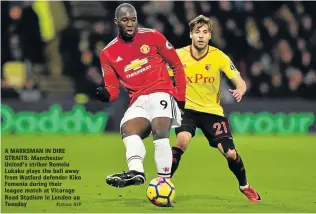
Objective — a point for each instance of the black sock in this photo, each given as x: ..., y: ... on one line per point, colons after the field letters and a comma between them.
x: 176, y: 157
x: 237, y: 167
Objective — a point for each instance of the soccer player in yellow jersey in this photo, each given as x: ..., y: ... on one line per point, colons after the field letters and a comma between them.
x: 204, y: 65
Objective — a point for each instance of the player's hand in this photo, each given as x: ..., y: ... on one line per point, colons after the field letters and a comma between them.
x: 103, y: 94
x: 237, y: 94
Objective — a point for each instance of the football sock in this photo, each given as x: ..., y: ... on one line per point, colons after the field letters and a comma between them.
x: 244, y: 187
x: 176, y: 153
x: 163, y: 157
x: 237, y: 167
x: 135, y: 152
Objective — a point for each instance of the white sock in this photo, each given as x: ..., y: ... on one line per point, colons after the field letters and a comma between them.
x: 135, y: 152
x: 244, y: 187
x: 163, y: 157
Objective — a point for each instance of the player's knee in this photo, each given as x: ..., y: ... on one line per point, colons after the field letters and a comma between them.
x: 161, y: 127
x: 231, y: 154
x: 160, y: 134
x: 183, y: 140
x: 227, y: 147
x: 125, y: 132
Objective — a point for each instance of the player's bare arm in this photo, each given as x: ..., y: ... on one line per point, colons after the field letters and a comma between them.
x: 228, y: 67
x: 240, y: 87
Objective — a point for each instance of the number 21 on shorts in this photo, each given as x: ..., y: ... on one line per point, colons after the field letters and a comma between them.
x: 220, y: 128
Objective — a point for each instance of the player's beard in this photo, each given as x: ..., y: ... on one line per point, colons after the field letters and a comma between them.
x: 125, y: 36
x: 199, y: 48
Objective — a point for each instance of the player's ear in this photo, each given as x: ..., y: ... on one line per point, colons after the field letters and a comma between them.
x: 190, y: 35
x: 210, y: 36
x: 115, y: 21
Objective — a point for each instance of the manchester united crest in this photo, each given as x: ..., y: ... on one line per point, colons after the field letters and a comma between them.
x: 144, y: 49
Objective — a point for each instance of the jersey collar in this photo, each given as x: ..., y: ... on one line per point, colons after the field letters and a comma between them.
x: 198, y: 59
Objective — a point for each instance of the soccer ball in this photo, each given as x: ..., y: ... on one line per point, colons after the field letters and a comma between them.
x: 161, y: 192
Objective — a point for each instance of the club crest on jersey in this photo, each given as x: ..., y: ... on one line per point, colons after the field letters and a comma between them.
x: 135, y: 64
x: 207, y: 67
x: 144, y: 49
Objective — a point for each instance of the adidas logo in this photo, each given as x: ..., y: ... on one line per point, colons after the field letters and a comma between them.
x: 119, y: 59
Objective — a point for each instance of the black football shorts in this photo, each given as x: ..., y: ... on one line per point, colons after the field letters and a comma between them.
x: 214, y: 127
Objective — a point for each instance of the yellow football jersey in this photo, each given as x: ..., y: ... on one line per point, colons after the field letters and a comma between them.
x: 204, y: 77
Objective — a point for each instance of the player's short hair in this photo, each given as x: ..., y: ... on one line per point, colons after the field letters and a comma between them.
x: 199, y: 21
x: 123, y: 5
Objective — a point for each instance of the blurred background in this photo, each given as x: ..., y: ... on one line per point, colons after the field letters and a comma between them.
x: 50, y: 60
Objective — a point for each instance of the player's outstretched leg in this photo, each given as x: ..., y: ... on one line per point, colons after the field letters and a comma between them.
x: 133, y: 131
x: 163, y: 155
x: 182, y: 142
x: 236, y: 165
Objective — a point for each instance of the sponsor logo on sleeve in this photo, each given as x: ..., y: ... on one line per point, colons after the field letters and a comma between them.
x: 232, y: 67
x: 168, y: 45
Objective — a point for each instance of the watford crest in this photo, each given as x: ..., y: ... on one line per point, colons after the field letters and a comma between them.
x: 207, y: 67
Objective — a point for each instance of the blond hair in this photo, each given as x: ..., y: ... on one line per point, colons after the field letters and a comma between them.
x: 200, y: 21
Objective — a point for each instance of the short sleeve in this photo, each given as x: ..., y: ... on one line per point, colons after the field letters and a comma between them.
x: 228, y: 67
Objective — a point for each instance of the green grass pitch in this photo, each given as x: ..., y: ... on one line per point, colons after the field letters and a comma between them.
x: 281, y: 168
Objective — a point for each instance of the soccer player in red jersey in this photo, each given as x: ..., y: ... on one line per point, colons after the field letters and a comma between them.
x: 137, y: 59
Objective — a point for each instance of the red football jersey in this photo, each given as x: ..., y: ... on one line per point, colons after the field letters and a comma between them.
x: 140, y: 66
